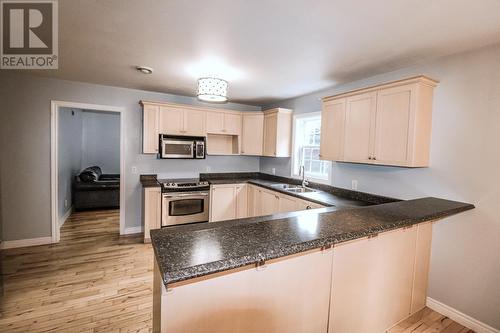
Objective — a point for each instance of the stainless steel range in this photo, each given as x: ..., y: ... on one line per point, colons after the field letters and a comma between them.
x: 184, y: 201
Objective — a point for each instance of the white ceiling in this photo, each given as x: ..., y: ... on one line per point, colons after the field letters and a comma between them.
x: 267, y: 50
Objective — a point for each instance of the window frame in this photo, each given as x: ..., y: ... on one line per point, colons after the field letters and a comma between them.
x: 294, y: 175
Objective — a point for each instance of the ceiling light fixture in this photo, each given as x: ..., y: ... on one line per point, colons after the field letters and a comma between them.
x: 144, y: 69
x: 211, y: 89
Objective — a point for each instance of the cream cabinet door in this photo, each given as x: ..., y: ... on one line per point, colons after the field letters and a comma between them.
x: 151, y: 211
x: 372, y: 277
x: 332, y: 130
x: 252, y: 134
x: 150, y: 129
x: 269, y: 202
x: 359, y: 127
x: 215, y: 122
x: 288, y: 204
x: 222, y: 203
x: 270, y: 134
x: 171, y: 121
x: 232, y: 124
x: 194, y: 123
x: 290, y: 295
x: 392, y: 125
x: 241, y: 192
x: 254, y: 201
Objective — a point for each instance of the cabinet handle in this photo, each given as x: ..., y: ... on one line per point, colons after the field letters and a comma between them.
x: 374, y: 158
x: 369, y: 157
x: 308, y: 207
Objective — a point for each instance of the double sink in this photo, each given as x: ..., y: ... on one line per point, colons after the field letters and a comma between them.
x: 294, y: 188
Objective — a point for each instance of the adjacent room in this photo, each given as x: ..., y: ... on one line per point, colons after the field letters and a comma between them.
x: 88, y: 166
x: 275, y: 166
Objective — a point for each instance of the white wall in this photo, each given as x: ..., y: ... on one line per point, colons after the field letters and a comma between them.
x: 465, y: 159
x: 101, y: 140
x: 70, y: 155
x: 25, y: 140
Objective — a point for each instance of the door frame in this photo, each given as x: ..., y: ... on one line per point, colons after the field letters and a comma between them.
x: 54, y: 166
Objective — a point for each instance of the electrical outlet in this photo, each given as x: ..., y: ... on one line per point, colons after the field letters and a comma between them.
x: 134, y: 170
x: 273, y: 171
x: 208, y: 168
x: 65, y: 203
x: 354, y: 184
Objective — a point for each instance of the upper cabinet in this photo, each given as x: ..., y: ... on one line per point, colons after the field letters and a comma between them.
x: 150, y: 129
x: 227, y: 123
x: 252, y: 133
x: 277, y: 132
x: 228, y: 132
x: 181, y: 121
x: 389, y: 124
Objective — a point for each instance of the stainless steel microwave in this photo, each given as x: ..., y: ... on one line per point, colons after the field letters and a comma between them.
x: 187, y: 147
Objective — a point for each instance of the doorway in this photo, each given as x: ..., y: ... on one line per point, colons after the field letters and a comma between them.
x: 60, y: 202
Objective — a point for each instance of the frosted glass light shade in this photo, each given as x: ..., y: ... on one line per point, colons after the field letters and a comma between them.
x: 212, y: 90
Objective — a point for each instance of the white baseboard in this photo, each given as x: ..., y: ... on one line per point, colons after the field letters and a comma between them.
x: 25, y: 242
x: 132, y: 230
x: 459, y: 317
x: 63, y: 219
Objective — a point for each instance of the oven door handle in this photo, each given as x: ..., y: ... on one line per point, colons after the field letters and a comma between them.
x: 185, y: 195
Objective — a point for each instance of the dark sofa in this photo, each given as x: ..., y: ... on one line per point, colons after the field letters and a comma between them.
x: 94, y: 190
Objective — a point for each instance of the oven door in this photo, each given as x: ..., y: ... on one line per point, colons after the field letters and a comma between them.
x: 180, y: 208
x: 177, y: 149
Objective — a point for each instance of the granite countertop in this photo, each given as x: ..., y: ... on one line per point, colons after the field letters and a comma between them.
x: 149, y: 181
x: 324, y: 195
x: 186, y: 252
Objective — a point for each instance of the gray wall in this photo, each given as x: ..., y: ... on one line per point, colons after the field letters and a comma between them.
x: 101, y: 140
x: 465, y: 156
x: 70, y: 154
x: 25, y: 139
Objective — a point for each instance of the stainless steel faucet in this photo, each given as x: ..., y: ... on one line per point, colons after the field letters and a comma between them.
x: 302, y: 172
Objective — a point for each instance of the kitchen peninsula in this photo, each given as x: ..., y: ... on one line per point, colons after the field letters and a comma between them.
x: 306, y: 271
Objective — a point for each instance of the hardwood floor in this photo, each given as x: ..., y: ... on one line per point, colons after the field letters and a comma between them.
x: 92, y: 281
x: 95, y: 281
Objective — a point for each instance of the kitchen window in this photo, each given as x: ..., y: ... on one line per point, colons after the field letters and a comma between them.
x: 306, y: 140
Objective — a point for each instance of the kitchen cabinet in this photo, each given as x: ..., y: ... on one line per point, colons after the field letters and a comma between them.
x: 277, y: 132
x: 269, y: 202
x: 332, y: 130
x: 181, y: 121
x: 378, y: 278
x: 150, y: 129
x: 266, y: 202
x: 151, y: 213
x: 241, y: 193
x: 360, y: 117
x: 253, y: 200
x: 228, y: 201
x: 252, y: 133
x: 388, y: 124
x: 228, y: 132
x: 290, y: 294
x: 287, y: 203
x: 228, y: 123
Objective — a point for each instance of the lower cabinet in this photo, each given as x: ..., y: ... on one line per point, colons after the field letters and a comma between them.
x: 151, y: 214
x: 266, y: 202
x: 286, y: 295
x: 366, y: 285
x: 379, y: 281
x: 228, y: 202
